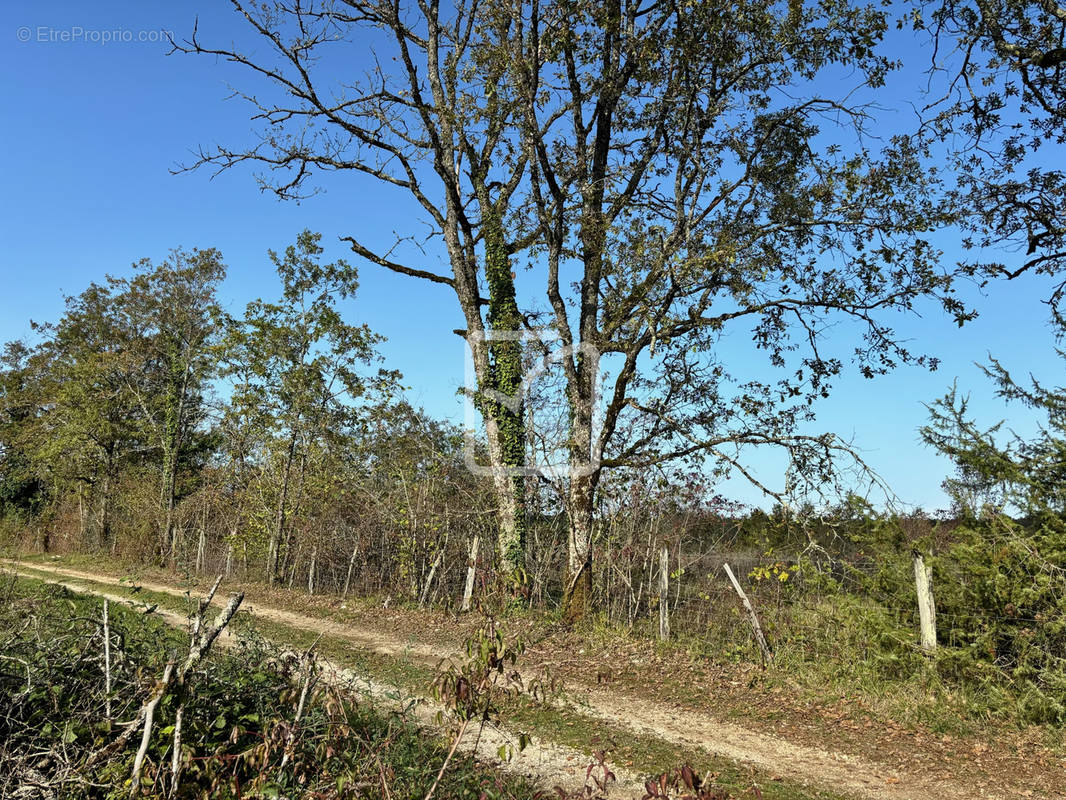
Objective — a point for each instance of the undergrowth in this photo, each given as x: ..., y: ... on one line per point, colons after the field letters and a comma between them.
x: 241, y: 734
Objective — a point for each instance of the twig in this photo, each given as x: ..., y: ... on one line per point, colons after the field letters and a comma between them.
x: 307, y: 661
x: 447, y: 759
x: 148, y: 717
x: 107, y: 664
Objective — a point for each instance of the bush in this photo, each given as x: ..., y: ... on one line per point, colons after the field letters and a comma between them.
x: 240, y: 733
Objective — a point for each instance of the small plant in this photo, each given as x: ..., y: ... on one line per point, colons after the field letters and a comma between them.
x: 684, y: 784
x: 598, y: 779
x: 469, y: 689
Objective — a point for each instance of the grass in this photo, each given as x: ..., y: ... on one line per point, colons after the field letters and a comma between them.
x: 585, y: 733
x: 243, y: 701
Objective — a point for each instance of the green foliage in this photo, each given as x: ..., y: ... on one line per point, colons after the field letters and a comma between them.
x: 238, y: 724
x: 298, y: 390
x: 1001, y: 602
x: 1005, y: 587
x: 1006, y: 129
x: 21, y: 489
x: 117, y: 383
x: 471, y: 688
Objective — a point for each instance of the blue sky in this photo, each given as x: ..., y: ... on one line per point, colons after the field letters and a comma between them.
x: 94, y: 128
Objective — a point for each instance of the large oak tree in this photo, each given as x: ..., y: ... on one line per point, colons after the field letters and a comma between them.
x: 671, y: 172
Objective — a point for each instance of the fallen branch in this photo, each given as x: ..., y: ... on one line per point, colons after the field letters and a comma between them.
x: 201, y: 639
x: 307, y: 664
x: 200, y: 642
x: 107, y: 664
x: 756, y: 628
x: 148, y: 718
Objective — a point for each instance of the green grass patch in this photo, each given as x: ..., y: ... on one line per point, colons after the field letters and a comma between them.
x: 645, y: 755
x: 238, y: 720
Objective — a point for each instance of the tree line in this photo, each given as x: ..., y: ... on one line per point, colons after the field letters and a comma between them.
x: 147, y: 417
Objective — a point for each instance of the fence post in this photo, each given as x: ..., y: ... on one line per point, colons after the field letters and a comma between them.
x: 468, y: 590
x: 923, y: 584
x: 664, y: 593
x: 351, y: 566
x: 756, y: 628
x: 429, y: 579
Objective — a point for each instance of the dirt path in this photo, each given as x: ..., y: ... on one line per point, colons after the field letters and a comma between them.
x: 547, y: 763
x: 843, y: 773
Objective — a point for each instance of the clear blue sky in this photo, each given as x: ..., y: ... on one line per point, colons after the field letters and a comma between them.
x: 93, y: 129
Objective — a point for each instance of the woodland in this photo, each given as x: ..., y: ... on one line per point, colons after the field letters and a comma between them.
x: 670, y: 174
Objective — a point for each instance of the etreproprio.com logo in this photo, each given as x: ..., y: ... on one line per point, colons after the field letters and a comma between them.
x: 76, y: 34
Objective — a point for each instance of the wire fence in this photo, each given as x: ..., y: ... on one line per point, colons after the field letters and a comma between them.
x: 837, y: 607
x: 811, y: 603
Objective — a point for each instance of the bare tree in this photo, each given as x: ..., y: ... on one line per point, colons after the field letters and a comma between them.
x: 675, y: 171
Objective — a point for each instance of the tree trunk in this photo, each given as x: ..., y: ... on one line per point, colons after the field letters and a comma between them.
x: 351, y: 567
x: 497, y: 363
x: 105, y: 509
x: 471, y: 568
x: 169, y: 538
x: 83, y: 532
x: 296, y: 496
x: 172, y: 444
x: 429, y: 579
x: 293, y: 566
x: 274, y: 547
x: 505, y: 376
x: 664, y: 593
x: 577, y: 595
x: 170, y: 530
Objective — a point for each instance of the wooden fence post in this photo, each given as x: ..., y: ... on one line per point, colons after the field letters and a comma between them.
x: 471, y: 565
x: 923, y: 584
x: 664, y: 593
x: 429, y: 579
x: 756, y: 628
